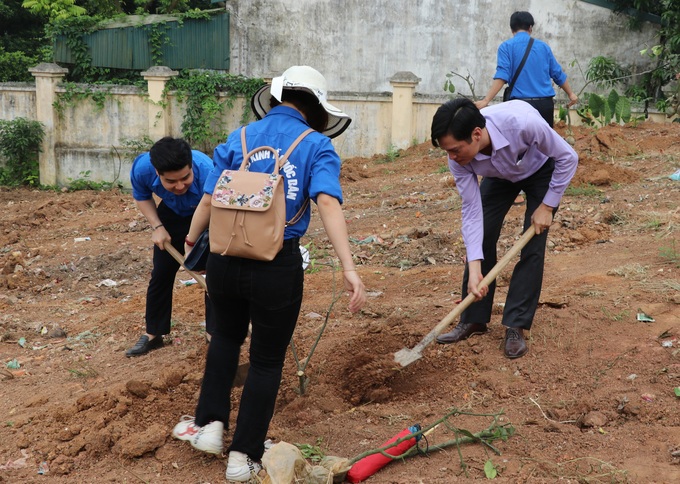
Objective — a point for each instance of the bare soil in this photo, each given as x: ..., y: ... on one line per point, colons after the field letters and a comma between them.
x: 592, y: 401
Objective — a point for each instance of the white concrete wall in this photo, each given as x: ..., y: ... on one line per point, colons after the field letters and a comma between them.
x: 17, y: 100
x: 360, y: 44
x: 94, y: 139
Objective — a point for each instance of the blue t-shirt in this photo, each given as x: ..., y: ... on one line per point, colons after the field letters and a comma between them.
x: 145, y: 182
x: 540, y: 69
x: 312, y: 168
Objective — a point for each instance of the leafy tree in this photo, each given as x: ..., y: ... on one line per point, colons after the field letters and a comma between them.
x: 666, y: 52
x: 21, y: 41
x: 55, y: 9
x: 111, y: 8
x: 20, y: 30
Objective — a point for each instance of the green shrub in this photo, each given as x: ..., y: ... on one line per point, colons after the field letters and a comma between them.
x: 20, y: 141
x: 14, y: 66
x: 604, y: 110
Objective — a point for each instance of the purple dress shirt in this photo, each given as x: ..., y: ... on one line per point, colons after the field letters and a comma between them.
x: 521, y: 142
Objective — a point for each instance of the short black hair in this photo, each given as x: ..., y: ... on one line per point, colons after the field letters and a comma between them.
x: 308, y: 104
x: 458, y: 118
x: 521, y: 21
x: 170, y: 154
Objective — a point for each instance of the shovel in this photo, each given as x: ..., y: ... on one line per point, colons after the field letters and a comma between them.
x: 407, y: 356
x: 179, y: 258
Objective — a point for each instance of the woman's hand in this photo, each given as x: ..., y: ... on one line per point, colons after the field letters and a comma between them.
x: 356, y: 289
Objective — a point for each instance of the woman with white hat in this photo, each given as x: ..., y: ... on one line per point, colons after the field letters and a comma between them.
x: 268, y: 295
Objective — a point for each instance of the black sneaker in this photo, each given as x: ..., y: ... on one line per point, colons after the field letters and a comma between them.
x: 144, y: 345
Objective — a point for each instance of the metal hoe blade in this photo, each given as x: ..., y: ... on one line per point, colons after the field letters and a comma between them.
x: 407, y: 356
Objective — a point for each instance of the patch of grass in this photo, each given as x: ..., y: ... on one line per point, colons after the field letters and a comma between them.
x: 591, y: 293
x: 581, y: 469
x: 615, y: 218
x: 628, y: 270
x: 83, y: 182
x: 670, y: 254
x: 392, y: 419
x: 83, y: 372
x: 392, y: 154
x: 667, y: 287
x: 443, y: 169
x: 653, y: 224
x: 673, y: 285
x: 550, y: 332
x: 587, y: 190
x: 620, y: 316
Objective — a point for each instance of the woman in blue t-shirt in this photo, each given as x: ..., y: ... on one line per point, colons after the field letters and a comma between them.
x: 268, y: 295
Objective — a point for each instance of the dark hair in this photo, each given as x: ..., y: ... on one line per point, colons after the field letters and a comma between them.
x: 308, y: 104
x: 458, y: 118
x: 521, y: 21
x: 170, y: 154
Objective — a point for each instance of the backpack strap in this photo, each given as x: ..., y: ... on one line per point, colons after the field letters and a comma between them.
x: 243, y: 144
x: 520, y: 67
x: 296, y: 218
x: 281, y: 162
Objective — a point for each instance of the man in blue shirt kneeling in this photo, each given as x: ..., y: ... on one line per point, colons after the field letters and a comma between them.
x: 175, y: 174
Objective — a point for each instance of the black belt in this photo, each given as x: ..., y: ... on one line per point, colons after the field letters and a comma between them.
x: 293, y: 243
x: 533, y: 98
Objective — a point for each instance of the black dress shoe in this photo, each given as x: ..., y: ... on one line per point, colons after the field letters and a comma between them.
x: 461, y: 332
x: 144, y: 345
x: 515, y: 346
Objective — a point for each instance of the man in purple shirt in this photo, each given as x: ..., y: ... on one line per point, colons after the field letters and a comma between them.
x: 514, y: 149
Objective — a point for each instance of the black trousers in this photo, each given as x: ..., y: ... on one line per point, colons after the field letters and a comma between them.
x: 269, y: 296
x: 527, y: 277
x: 165, y: 267
x: 545, y: 106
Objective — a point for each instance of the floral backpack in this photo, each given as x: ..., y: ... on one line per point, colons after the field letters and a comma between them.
x: 248, y: 209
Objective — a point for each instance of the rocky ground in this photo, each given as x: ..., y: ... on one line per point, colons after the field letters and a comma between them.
x: 594, y: 400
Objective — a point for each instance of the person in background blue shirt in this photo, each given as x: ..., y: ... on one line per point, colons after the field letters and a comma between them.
x: 534, y: 84
x: 175, y: 174
x: 268, y: 294
x: 512, y: 147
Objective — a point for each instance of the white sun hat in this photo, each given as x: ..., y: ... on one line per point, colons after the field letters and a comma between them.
x: 308, y: 79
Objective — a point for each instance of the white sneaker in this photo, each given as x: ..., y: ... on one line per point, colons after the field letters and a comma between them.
x: 206, y: 439
x: 240, y: 467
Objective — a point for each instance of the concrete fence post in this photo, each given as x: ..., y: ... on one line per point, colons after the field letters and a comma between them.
x: 403, y: 87
x: 47, y: 76
x: 157, y: 77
